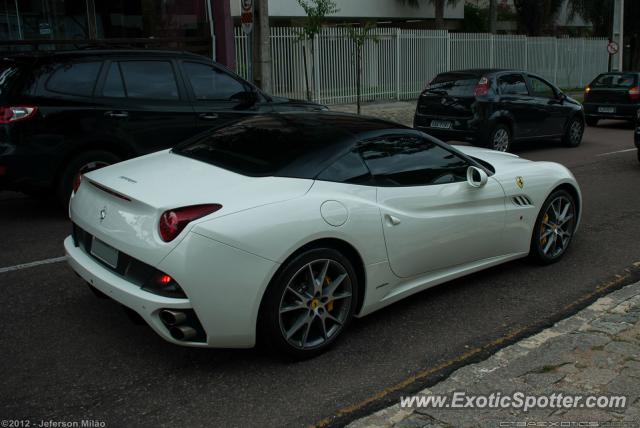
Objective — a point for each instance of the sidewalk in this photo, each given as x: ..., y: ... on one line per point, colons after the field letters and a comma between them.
x: 594, y: 352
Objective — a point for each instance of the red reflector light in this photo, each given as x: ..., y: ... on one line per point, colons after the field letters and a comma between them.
x: 634, y: 93
x: 174, y: 221
x: 164, y: 279
x: 16, y: 113
x: 76, y: 183
x: 482, y: 88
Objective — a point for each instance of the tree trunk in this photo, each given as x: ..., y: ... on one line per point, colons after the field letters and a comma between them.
x: 358, y: 76
x: 306, y: 70
x: 439, y: 6
x: 493, y: 17
x: 262, y: 47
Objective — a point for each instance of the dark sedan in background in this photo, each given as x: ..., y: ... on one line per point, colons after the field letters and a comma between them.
x: 495, y: 108
x: 64, y: 114
x: 612, y: 96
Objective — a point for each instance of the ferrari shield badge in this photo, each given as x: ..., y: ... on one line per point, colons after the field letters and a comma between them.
x: 520, y: 182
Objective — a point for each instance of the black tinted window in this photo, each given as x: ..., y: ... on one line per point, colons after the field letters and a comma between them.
x: 149, y: 80
x: 615, y: 80
x: 454, y: 84
x: 209, y: 83
x: 348, y: 169
x: 74, y: 79
x: 512, y: 84
x: 411, y: 161
x: 541, y: 88
x: 113, y: 86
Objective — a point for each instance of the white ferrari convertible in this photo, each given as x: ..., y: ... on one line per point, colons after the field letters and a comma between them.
x: 282, y: 228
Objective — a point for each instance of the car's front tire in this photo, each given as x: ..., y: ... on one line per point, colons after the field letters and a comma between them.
x: 574, y: 132
x: 554, y: 228
x: 309, y: 304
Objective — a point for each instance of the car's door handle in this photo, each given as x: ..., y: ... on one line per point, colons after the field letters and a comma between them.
x: 208, y: 116
x: 117, y: 114
x: 391, y: 220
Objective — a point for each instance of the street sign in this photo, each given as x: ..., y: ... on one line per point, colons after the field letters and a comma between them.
x: 246, y: 16
x: 612, y: 48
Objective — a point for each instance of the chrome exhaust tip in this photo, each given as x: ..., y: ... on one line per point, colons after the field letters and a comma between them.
x: 183, y: 333
x: 172, y: 318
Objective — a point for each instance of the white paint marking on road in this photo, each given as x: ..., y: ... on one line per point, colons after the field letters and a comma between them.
x: 33, y: 264
x: 619, y: 151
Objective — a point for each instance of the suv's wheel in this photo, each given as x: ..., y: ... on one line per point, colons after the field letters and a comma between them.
x: 81, y: 164
x: 309, y: 304
x: 574, y: 132
x: 554, y: 227
x: 592, y: 121
x: 500, y: 138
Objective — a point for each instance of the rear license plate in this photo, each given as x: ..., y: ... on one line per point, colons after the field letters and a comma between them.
x: 104, y: 252
x: 442, y: 124
x: 606, y: 109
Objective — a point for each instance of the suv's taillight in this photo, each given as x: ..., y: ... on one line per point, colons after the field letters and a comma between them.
x: 482, y: 88
x: 16, y: 113
x: 174, y: 221
x: 634, y: 93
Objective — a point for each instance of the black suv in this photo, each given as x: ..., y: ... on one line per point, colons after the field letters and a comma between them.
x: 612, y: 96
x: 63, y: 114
x: 494, y: 108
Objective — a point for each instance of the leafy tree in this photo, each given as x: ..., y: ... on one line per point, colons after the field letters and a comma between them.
x: 536, y: 17
x: 360, y: 36
x: 316, y: 11
x: 598, y: 12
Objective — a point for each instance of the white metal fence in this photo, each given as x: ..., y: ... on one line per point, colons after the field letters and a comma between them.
x: 402, y: 62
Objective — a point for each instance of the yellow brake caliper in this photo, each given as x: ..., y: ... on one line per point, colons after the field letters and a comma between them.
x: 327, y: 281
x: 543, y: 237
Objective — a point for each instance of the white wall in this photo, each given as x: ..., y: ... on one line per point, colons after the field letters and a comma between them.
x: 377, y: 9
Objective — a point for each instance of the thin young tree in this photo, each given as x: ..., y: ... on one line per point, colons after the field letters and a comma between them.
x: 316, y: 11
x: 360, y: 35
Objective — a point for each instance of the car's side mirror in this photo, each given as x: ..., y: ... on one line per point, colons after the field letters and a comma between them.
x: 476, y: 177
x: 562, y: 97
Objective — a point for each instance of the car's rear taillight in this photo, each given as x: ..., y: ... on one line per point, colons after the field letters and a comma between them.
x: 76, y: 183
x: 482, y: 88
x: 16, y: 113
x: 634, y: 94
x: 174, y: 221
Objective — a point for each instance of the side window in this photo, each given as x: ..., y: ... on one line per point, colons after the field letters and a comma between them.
x: 149, y: 80
x: 113, y: 85
x: 210, y: 83
x: 74, y: 79
x: 541, y: 88
x: 411, y: 161
x: 348, y: 169
x: 512, y: 84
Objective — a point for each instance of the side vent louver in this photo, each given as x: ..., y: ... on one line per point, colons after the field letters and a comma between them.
x: 522, y: 201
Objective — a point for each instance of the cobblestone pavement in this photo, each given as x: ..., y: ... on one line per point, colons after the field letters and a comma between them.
x: 595, y: 352
x: 397, y: 111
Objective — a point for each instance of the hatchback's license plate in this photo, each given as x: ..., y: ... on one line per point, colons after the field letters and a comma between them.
x: 104, y: 252
x: 442, y: 124
x: 606, y: 109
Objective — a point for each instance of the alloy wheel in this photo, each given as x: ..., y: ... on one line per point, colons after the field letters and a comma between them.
x: 315, y: 304
x: 557, y: 227
x: 501, y: 140
x: 575, y: 133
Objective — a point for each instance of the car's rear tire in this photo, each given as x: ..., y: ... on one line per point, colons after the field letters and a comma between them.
x: 81, y: 164
x: 592, y: 121
x: 574, y: 132
x: 500, y: 138
x: 309, y: 304
x: 554, y: 228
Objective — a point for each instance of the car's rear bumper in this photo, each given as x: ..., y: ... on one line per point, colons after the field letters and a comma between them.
x: 622, y: 111
x: 223, y: 285
x: 460, y: 128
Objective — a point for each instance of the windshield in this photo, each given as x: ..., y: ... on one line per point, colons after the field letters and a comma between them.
x: 454, y: 84
x: 616, y: 81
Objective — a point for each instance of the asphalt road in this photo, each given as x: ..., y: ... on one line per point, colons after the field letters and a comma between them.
x: 66, y: 355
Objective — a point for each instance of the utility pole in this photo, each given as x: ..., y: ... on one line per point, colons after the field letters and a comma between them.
x: 262, y: 46
x: 618, y: 32
x: 493, y: 17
